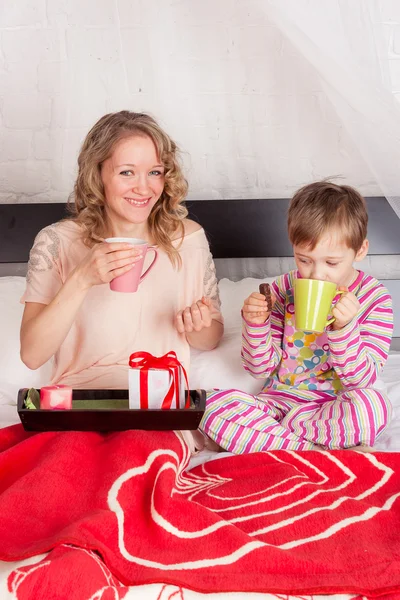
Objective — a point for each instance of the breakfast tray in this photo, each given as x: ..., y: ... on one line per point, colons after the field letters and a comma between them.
x: 108, y: 410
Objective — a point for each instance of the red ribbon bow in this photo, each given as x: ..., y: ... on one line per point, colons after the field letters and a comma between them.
x: 145, y: 361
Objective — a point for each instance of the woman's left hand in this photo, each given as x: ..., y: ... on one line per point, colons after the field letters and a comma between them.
x: 345, y: 309
x: 195, y: 317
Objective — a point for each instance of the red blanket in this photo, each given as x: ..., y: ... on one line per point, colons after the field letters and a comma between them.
x: 290, y: 522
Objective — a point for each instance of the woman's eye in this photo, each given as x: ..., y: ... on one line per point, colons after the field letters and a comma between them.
x: 157, y: 173
x: 126, y: 173
x: 331, y: 264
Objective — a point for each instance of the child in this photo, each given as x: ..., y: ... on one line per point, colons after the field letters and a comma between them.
x: 319, y: 387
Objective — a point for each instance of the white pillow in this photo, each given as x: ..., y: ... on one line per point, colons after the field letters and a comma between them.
x: 222, y: 368
x: 13, y: 373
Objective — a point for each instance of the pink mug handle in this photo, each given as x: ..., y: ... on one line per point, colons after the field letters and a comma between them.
x: 143, y: 275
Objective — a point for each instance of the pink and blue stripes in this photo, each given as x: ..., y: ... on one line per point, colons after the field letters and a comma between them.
x: 331, y: 404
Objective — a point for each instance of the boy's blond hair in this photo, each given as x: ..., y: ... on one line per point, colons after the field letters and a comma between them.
x: 324, y: 206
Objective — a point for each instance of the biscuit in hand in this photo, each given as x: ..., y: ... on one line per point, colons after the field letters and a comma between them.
x: 265, y: 290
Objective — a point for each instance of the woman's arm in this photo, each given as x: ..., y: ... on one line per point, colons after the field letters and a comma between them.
x: 202, y: 331
x: 45, y: 327
x: 208, y: 338
x: 202, y: 321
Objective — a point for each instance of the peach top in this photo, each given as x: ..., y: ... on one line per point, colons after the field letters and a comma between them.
x: 109, y: 326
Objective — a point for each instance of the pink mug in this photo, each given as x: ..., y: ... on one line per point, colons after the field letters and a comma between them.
x: 129, y: 281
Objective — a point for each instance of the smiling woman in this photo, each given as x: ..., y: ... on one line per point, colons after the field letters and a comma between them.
x: 129, y: 185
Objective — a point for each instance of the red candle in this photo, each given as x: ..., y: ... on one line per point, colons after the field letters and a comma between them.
x: 56, y: 397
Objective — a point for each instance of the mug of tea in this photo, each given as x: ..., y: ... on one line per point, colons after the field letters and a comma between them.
x: 129, y: 281
x: 313, y: 303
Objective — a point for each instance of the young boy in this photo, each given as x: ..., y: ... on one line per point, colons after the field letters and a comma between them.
x: 319, y: 387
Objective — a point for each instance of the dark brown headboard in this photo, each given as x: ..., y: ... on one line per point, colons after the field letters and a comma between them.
x: 235, y: 228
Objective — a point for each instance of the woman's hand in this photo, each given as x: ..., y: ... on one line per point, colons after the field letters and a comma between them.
x: 45, y: 327
x: 106, y: 261
x: 195, y: 317
x: 345, y: 309
x: 201, y: 330
x: 255, y: 308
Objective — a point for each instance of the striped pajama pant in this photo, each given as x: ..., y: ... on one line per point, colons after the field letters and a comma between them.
x: 275, y: 420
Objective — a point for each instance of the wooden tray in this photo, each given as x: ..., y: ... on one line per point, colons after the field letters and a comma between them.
x: 110, y: 419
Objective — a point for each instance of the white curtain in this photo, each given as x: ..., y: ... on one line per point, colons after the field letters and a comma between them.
x: 344, y: 42
x: 339, y: 47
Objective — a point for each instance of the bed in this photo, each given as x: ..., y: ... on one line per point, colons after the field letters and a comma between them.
x: 246, y: 237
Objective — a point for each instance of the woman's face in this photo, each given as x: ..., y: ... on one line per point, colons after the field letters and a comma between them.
x: 133, y: 180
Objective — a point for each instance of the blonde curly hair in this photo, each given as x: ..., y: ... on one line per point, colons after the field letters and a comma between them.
x: 88, y: 199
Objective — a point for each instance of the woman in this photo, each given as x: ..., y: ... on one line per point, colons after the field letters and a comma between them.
x: 129, y: 184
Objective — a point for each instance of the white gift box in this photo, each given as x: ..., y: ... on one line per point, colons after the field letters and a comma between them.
x: 149, y: 388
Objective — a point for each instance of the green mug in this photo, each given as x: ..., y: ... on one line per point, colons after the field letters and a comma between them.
x: 313, y: 303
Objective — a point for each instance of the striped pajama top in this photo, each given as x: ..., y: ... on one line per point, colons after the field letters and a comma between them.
x: 291, y: 360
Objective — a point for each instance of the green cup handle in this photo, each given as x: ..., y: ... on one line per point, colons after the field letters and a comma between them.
x: 333, y: 318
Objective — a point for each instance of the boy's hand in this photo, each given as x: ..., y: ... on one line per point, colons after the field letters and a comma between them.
x: 345, y: 309
x: 255, y: 308
x: 195, y: 317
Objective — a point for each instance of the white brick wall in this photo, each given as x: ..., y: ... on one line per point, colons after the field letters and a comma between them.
x: 26, y: 111
x: 23, y: 13
x: 247, y: 110
x: 31, y: 45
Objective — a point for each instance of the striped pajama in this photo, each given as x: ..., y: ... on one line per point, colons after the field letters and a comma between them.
x: 319, y: 388
x: 243, y: 423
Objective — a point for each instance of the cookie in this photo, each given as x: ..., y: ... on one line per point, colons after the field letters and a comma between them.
x: 265, y: 290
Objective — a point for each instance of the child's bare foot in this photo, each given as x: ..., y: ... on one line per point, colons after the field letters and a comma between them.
x: 211, y: 445
x: 362, y: 448
x: 202, y: 441
x: 359, y: 448
x: 320, y: 449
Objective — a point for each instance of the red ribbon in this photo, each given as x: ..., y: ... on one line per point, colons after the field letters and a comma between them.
x: 145, y: 361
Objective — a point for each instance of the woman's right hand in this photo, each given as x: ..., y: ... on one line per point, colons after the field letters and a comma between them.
x: 255, y: 308
x: 105, y: 261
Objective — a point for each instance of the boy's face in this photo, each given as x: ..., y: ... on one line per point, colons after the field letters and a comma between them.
x: 331, y: 260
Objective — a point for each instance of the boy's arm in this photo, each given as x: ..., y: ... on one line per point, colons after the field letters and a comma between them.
x: 262, y: 344
x: 360, y: 349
